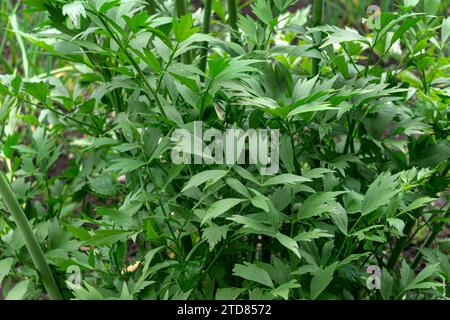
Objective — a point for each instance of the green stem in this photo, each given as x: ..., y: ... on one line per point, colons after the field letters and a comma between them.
x: 232, y: 18
x: 366, y: 71
x: 349, y: 140
x: 316, y: 21
x: 297, y: 166
x: 180, y: 6
x: 134, y: 64
x: 206, y: 24
x: 31, y: 242
x: 151, y: 7
x: 435, y: 231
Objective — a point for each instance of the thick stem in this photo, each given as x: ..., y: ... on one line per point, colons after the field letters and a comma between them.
x: 232, y: 18
x: 317, y: 20
x: 31, y: 242
x: 206, y: 24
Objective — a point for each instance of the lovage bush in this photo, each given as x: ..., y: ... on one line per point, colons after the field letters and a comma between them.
x: 95, y: 207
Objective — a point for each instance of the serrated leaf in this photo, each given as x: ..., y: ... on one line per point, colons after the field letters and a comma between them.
x: 387, y: 284
x: 220, y: 207
x: 39, y: 90
x: 210, y: 176
x: 253, y: 273
x: 289, y: 243
x: 380, y: 192
x: 19, y: 291
x: 417, y: 282
x: 237, y: 186
x: 420, y: 202
x: 311, y: 107
x: 124, y: 165
x: 228, y: 293
x: 252, y: 224
x: 398, y: 224
x: 285, y: 178
x: 343, y: 35
x: 318, y: 203
x: 260, y: 202
x: 339, y: 216
x: 74, y: 11
x: 313, y: 234
x: 120, y: 218
x: 107, y: 237
x: 321, y: 280
x: 214, y: 233
x: 103, y: 185
x: 431, y: 6
x: 445, y: 30
x: 5, y: 266
x: 283, y: 290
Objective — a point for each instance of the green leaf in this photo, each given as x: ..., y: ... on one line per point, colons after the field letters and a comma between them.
x: 420, y: 202
x: 410, y: 3
x: 5, y: 266
x: 406, y: 275
x: 214, y: 233
x: 19, y: 291
x: 252, y: 224
x: 387, y: 284
x: 210, y: 176
x: 107, y: 237
x: 418, y: 281
x: 283, y: 290
x: 228, y: 293
x: 262, y: 9
x: 220, y: 207
x: 285, y: 178
x: 98, y: 143
x: 289, y: 243
x: 303, y: 88
x: 339, y: 216
x: 318, y: 203
x: 237, y: 186
x: 316, y: 173
x: 313, y: 234
x: 260, y: 202
x: 24, y: 149
x: 90, y: 293
x: 445, y: 30
x: 341, y: 35
x: 103, y: 185
x: 431, y: 6
x: 252, y: 272
x: 183, y: 27
x: 380, y: 192
x: 311, y: 107
x: 246, y: 175
x: 121, y: 219
x: 398, y: 224
x: 75, y: 11
x: 124, y: 165
x: 39, y: 90
x: 321, y: 280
